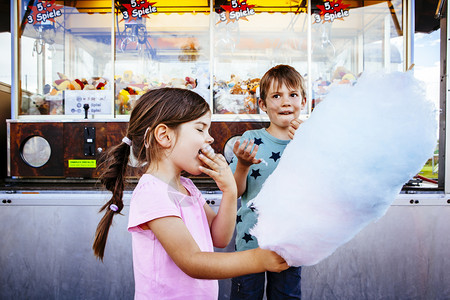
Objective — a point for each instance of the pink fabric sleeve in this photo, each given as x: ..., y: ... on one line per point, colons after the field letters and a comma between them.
x: 151, y: 200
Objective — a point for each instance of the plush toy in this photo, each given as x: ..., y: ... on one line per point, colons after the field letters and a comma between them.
x: 61, y: 75
x: 76, y: 85
x: 61, y: 84
x: 190, y: 82
x: 237, y: 90
x: 177, y: 83
x: 25, y: 104
x: 127, y: 76
x: 38, y: 105
x: 57, y: 109
x: 235, y: 80
x: 250, y: 105
x: 252, y: 85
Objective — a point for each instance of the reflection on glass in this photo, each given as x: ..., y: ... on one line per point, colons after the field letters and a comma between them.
x: 353, y: 38
x: 164, y: 48
x: 222, y: 52
x: 245, y: 49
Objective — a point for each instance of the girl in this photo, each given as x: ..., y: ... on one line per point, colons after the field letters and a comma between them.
x: 173, y: 229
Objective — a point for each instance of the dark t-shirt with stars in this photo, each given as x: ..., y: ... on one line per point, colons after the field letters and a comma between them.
x: 270, y: 150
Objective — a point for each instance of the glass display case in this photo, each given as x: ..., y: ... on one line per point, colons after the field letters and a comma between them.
x: 81, y: 65
x: 82, y: 59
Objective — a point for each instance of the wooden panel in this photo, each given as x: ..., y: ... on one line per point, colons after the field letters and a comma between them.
x: 74, y: 147
x: 53, y: 133
x: 223, y: 131
x: 67, y: 143
x: 116, y: 132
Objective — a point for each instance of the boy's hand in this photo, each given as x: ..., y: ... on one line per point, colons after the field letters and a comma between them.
x: 245, y: 153
x: 295, y: 124
x: 217, y: 168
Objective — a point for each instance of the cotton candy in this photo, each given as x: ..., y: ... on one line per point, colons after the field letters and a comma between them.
x: 345, y: 166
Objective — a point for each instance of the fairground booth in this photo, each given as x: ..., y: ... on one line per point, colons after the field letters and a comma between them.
x: 78, y: 67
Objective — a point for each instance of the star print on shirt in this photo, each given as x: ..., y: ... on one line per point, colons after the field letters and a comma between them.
x: 252, y: 207
x: 247, y: 237
x: 255, y: 173
x: 238, y: 219
x: 258, y: 141
x: 275, y: 156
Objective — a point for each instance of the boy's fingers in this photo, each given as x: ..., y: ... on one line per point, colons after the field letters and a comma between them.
x: 236, y: 146
x: 249, y: 146
x: 255, y: 150
x: 296, y: 123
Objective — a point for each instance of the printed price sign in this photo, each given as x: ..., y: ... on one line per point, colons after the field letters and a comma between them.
x: 331, y: 10
x: 138, y: 9
x: 82, y: 163
x: 44, y: 12
x: 99, y: 102
x: 237, y: 10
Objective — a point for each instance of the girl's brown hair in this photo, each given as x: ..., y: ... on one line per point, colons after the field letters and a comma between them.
x: 279, y: 75
x: 169, y: 106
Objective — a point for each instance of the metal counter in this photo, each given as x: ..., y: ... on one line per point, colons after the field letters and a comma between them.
x: 47, y: 236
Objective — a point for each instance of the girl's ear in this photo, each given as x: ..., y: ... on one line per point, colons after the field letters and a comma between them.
x: 262, y: 106
x: 163, y: 135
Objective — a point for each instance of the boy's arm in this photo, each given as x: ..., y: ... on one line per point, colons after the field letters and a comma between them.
x: 240, y: 176
x: 245, y: 154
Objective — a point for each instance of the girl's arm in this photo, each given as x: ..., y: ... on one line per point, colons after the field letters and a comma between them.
x: 184, y: 251
x: 222, y: 223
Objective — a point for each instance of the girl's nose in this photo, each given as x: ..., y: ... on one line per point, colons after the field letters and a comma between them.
x: 209, y: 139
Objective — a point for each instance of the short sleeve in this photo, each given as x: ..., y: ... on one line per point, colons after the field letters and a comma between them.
x: 151, y: 200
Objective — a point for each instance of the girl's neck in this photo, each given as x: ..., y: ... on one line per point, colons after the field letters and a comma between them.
x: 173, y: 179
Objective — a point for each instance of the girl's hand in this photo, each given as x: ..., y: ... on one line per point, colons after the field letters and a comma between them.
x: 245, y: 154
x: 271, y: 261
x: 295, y: 124
x: 217, y: 168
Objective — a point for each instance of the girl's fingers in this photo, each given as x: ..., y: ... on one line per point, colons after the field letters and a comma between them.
x: 208, y: 161
x: 207, y: 171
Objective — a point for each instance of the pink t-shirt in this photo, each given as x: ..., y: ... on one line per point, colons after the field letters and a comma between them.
x: 156, y: 276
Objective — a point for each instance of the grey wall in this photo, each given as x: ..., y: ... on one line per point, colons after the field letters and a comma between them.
x: 45, y: 253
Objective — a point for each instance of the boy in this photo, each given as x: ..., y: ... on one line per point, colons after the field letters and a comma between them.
x: 282, y: 96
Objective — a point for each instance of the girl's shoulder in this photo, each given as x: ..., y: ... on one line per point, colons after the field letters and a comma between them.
x: 149, y: 182
x: 190, y: 186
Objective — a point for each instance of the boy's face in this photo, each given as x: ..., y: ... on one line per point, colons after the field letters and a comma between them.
x: 282, y: 105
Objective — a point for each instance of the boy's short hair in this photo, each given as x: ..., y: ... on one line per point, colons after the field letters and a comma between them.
x: 282, y: 74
